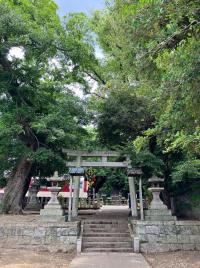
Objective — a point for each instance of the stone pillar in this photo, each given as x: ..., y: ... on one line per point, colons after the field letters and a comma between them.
x: 133, y: 200
x: 76, y: 196
x: 141, y: 200
x: 70, y: 200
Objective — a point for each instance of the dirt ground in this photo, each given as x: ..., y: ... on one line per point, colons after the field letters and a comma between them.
x: 179, y: 259
x: 11, y: 258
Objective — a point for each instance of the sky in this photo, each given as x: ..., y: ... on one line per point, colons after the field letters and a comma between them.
x: 86, y: 6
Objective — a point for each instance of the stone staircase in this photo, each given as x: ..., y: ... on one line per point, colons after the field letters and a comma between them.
x: 106, y: 236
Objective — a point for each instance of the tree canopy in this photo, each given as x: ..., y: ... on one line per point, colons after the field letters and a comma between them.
x: 40, y: 113
x: 152, y: 51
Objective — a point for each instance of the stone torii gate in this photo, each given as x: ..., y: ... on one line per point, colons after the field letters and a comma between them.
x: 102, y: 162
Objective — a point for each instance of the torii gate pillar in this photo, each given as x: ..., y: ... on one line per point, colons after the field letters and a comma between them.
x: 76, y: 191
x: 133, y: 173
x: 76, y: 196
x: 131, y: 181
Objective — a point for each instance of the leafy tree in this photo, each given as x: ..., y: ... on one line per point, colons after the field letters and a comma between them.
x: 39, y: 112
x: 152, y: 48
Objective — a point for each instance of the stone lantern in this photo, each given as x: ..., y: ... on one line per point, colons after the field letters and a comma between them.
x: 157, y: 210
x: 53, y: 211
x: 33, y: 203
x: 156, y: 190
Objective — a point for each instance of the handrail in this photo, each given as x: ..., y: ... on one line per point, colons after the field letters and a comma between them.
x: 135, y: 240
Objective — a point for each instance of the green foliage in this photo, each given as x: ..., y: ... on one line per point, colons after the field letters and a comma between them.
x: 150, y: 163
x: 116, y: 182
x: 39, y: 112
x: 189, y: 169
x: 123, y: 116
x: 152, y: 51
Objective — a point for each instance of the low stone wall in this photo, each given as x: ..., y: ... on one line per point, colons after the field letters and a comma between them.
x: 158, y: 236
x: 54, y: 237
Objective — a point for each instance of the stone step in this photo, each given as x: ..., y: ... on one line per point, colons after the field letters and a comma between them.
x: 115, y: 225
x: 108, y: 234
x: 106, y: 239
x: 105, y: 221
x: 108, y: 250
x: 106, y: 245
x: 108, y: 230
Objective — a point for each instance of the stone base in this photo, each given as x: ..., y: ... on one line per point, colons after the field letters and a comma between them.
x: 33, y: 207
x: 159, y: 215
x: 52, y: 213
x: 50, y: 218
x: 160, y: 218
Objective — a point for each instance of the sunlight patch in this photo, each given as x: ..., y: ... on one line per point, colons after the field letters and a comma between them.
x: 16, y: 53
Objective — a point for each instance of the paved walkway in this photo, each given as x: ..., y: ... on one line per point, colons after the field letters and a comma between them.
x: 109, y: 260
x: 106, y: 212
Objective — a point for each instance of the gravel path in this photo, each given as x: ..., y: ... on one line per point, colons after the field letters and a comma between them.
x: 179, y: 259
x: 11, y: 258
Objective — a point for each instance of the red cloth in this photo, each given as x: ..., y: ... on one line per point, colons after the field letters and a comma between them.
x: 44, y: 189
x: 65, y: 188
x: 85, y: 189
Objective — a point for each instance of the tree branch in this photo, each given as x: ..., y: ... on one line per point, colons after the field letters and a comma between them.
x: 174, y: 39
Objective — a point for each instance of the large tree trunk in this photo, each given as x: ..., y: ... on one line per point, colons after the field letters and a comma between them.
x: 14, y: 192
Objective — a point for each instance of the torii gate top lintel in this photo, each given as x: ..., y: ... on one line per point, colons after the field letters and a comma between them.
x: 79, y: 162
x: 104, y: 159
